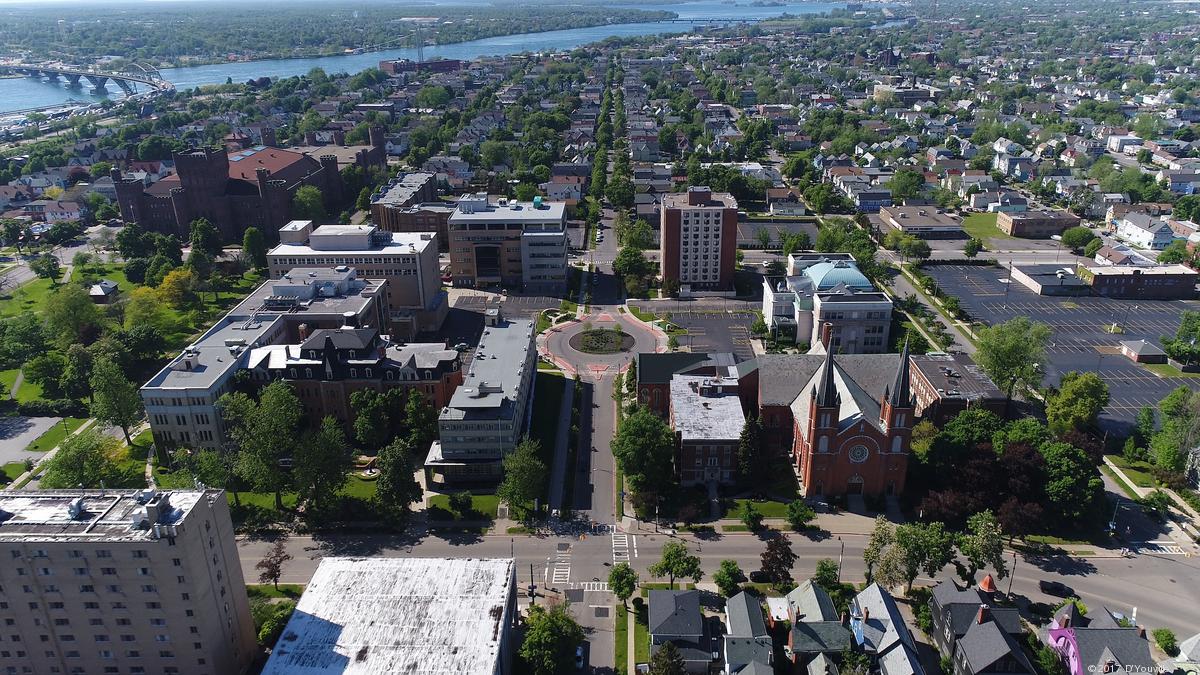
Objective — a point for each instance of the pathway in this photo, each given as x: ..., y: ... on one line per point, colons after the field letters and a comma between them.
x: 28, y: 475
x: 20, y: 379
x: 631, y: 635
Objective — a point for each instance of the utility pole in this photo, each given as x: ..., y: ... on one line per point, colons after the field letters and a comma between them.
x: 841, y: 553
x: 1012, y: 576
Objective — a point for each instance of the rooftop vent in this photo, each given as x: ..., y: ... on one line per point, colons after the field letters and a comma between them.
x: 76, y: 508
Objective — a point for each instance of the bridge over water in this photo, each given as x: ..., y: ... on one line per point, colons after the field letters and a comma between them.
x: 127, y: 79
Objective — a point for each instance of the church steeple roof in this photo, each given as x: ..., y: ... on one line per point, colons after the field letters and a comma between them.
x: 899, y: 394
x: 826, y: 392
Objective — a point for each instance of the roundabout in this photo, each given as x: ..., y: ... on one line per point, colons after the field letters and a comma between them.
x: 598, y: 343
x: 602, y: 341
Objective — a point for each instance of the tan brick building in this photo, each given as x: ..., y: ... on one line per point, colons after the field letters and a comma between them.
x: 699, y: 239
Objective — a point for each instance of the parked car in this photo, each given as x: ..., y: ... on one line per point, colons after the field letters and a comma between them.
x: 759, y: 577
x: 1055, y: 588
x: 579, y: 657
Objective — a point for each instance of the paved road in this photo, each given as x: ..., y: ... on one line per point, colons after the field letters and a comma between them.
x: 1161, y: 585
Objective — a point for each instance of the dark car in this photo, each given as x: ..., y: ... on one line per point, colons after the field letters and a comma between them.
x: 759, y: 577
x: 1055, y: 588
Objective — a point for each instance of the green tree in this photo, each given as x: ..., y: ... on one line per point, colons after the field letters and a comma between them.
x: 915, y: 248
x: 1077, y: 403
x: 46, y: 371
x: 462, y: 503
x: 729, y: 578
x: 1013, y: 354
x: 631, y: 262
x: 677, y: 562
x: 827, y: 574
x: 778, y: 559
x: 1073, y: 484
x: 922, y: 547
x: 667, y: 661
x: 524, y: 477
x: 799, y: 514
x: 752, y: 518
x: 308, y: 204
x: 115, y: 400
x: 620, y: 192
x: 265, y: 433
x: 972, y: 247
x: 551, y: 636
x: 982, y: 545
x: 322, y: 464
x: 1175, y: 252
x: 271, y: 565
x: 76, y: 380
x: 1092, y: 247
x: 205, y: 238
x: 749, y: 450
x: 86, y: 458
x: 255, y: 247
x: 644, y: 447
x: 396, y: 489
x: 46, y: 266
x: 420, y: 420
x: 906, y: 184
x: 882, y: 537
x: 622, y: 581
x: 372, y: 417
x: 1078, y: 237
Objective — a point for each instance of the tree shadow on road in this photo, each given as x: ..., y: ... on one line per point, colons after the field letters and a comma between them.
x: 1060, y: 563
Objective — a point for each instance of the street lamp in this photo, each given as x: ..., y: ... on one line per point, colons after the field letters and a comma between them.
x: 841, y: 553
x: 1013, y: 575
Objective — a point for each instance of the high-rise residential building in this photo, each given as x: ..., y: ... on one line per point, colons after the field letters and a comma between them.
x: 101, y: 581
x: 181, y: 399
x: 488, y: 414
x: 517, y: 244
x: 413, y: 298
x: 698, y: 236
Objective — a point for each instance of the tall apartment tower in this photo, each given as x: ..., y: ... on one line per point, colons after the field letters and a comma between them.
x: 98, y: 581
x: 699, y: 239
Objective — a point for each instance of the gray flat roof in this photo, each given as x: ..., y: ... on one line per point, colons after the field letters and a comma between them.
x: 402, y: 190
x: 362, y: 616
x: 495, y: 373
x: 701, y: 417
x: 109, y: 516
x: 512, y: 212
x: 401, y: 243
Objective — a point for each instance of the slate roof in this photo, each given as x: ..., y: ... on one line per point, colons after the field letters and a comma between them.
x: 740, y: 651
x: 884, y: 632
x: 822, y: 665
x: 1097, y: 646
x: 1189, y: 649
x: 781, y: 377
x: 659, y: 368
x: 757, y: 668
x: 961, y: 607
x: 745, y: 617
x: 809, y: 602
x: 343, y: 338
x: 809, y: 637
x: 675, y: 613
x: 856, y: 401
x: 986, y: 643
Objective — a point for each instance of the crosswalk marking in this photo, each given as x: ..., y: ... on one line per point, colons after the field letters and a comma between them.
x: 620, y: 547
x: 1161, y: 548
x: 560, y: 573
x: 592, y: 585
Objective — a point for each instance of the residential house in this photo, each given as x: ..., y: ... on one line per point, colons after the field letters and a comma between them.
x: 977, y: 637
x: 1144, y: 231
x: 816, y: 628
x: 879, y: 630
x: 748, y: 645
x: 675, y: 617
x: 1101, y: 644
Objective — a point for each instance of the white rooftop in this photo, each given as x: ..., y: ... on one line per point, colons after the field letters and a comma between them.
x: 363, y: 616
x: 706, y: 408
x: 94, y: 515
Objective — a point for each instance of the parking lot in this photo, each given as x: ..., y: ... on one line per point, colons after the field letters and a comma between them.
x: 1080, y: 340
x: 511, y: 305
x: 714, y: 326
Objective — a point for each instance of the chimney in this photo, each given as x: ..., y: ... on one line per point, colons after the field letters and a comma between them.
x: 866, y: 614
x: 983, y: 615
x: 845, y: 619
x: 1142, y: 632
x: 826, y: 334
x: 349, y: 320
x: 1065, y: 621
x: 302, y: 329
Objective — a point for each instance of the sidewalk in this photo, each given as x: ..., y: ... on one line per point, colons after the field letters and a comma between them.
x: 1177, y: 533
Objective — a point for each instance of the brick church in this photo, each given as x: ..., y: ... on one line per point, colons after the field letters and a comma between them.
x: 851, y: 432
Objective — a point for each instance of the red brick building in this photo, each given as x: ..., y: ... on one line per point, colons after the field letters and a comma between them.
x: 850, y: 437
x: 654, y: 373
x: 699, y: 239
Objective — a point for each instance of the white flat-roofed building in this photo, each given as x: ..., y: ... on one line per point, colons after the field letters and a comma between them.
x: 434, y: 616
x: 122, y: 581
x: 408, y: 261
x: 519, y: 244
x: 707, y: 418
x: 488, y: 414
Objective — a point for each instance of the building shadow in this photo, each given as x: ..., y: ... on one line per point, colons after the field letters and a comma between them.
x: 316, y: 652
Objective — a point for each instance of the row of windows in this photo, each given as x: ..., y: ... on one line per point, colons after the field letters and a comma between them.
x: 75, y: 554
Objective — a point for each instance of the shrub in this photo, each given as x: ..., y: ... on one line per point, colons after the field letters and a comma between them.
x: 1165, y: 639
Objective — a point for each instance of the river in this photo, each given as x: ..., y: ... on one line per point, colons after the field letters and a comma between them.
x: 23, y: 93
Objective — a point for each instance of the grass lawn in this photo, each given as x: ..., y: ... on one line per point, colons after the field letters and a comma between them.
x: 1167, y: 370
x: 8, y: 378
x: 292, y: 591
x: 642, y: 314
x: 547, y: 407
x: 641, y: 635
x: 568, y: 306
x: 12, y: 470
x: 359, y: 487
x: 1138, y: 472
x: 549, y: 367
x: 769, y: 509
x: 28, y: 297
x: 55, y: 434
x: 621, y: 636
x: 982, y: 226
x: 1120, y: 483
x: 484, y: 506
x: 662, y: 585
x: 29, y: 391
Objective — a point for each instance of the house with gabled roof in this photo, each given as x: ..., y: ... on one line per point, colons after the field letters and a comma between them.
x: 879, y: 630
x: 748, y: 645
x: 675, y: 617
x: 977, y: 637
x: 1098, y: 645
